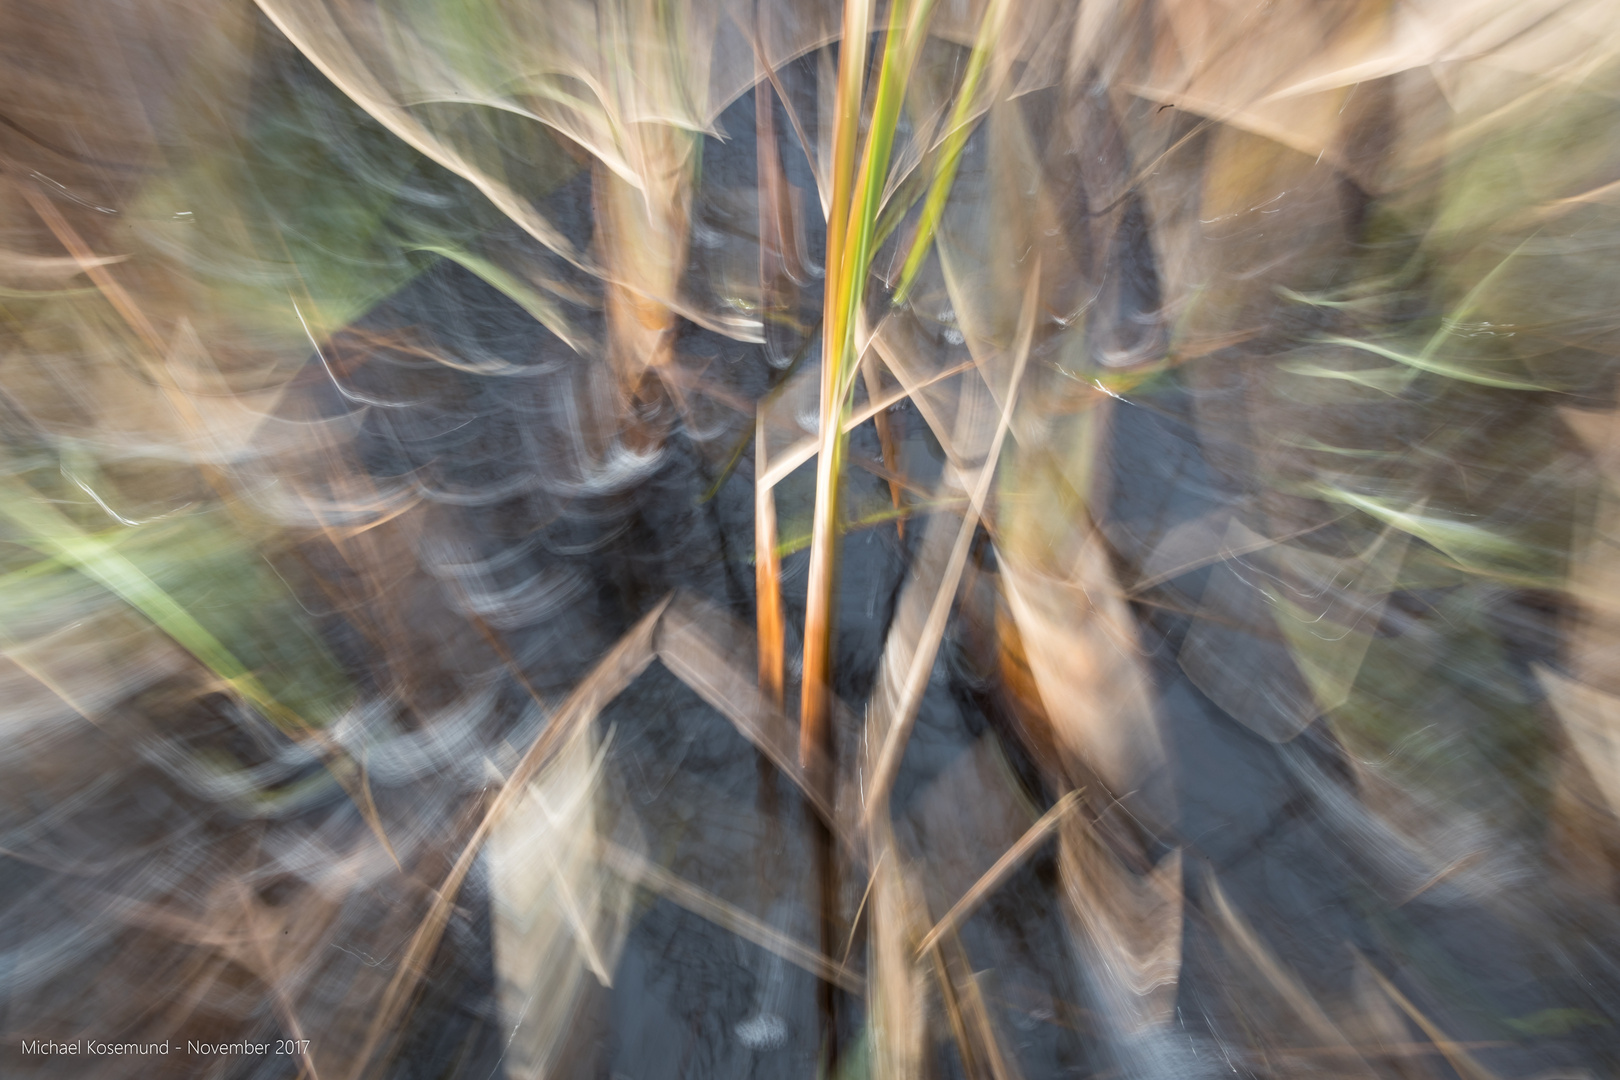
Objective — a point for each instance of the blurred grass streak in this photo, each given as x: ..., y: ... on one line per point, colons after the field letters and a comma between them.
x: 100, y: 559
x: 950, y: 154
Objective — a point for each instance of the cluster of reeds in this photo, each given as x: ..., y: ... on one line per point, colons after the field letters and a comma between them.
x: 1210, y: 403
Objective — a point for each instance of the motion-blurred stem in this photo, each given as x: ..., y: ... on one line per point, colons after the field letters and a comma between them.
x: 851, y: 228
x: 644, y: 239
x: 814, y: 700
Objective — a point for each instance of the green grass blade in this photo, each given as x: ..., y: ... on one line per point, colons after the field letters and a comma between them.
x: 950, y: 157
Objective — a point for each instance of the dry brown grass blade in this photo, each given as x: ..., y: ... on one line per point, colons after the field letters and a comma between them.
x: 615, y: 671
x: 1455, y: 1054
x: 1199, y: 542
x: 935, y: 403
x: 895, y: 995
x: 971, y: 1022
x: 1079, y: 642
x: 359, y: 790
x: 96, y: 269
x: 886, y: 442
x: 960, y: 1030
x: 781, y: 260
x: 1246, y: 943
x: 909, y: 652
x: 805, y: 449
x: 731, y: 918
x: 815, y: 150
x: 994, y: 877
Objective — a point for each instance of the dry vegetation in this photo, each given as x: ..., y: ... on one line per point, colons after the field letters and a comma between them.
x: 1141, y: 478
